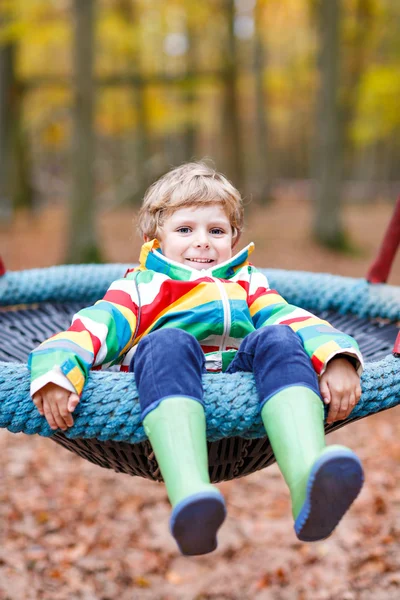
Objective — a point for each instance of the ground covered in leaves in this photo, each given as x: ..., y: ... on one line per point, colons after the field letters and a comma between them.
x: 71, y: 530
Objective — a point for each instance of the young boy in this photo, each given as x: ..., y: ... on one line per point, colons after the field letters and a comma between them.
x: 189, y: 307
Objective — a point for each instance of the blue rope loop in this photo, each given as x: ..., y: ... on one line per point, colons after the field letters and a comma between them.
x: 109, y: 408
x: 316, y: 291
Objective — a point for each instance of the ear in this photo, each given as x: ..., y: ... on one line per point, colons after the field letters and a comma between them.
x: 235, y: 242
x: 146, y: 238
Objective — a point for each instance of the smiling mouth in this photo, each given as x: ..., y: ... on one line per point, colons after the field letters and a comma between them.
x: 201, y: 260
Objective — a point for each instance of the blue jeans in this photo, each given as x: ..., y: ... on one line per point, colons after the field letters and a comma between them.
x: 170, y: 362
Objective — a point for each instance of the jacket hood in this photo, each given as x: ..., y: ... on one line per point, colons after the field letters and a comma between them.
x: 152, y: 258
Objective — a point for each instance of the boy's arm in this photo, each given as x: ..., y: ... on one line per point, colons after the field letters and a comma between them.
x: 99, y: 335
x: 321, y: 341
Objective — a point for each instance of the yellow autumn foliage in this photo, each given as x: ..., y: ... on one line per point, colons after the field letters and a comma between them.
x: 132, y: 38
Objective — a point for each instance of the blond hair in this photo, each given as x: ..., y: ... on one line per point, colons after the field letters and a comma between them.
x: 191, y: 184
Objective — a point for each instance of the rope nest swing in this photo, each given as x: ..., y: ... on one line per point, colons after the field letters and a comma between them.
x: 108, y: 430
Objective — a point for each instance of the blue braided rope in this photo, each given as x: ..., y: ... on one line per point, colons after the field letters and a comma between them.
x: 66, y: 283
x: 316, y: 291
x: 109, y: 409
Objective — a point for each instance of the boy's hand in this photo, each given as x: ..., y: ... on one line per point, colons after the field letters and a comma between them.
x: 340, y: 387
x: 56, y: 404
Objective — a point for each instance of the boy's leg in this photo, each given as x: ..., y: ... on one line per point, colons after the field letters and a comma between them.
x: 168, y: 366
x: 323, y: 482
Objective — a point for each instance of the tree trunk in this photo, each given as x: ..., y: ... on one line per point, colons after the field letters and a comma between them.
x: 231, y: 122
x: 140, y: 142
x: 21, y: 171
x: 263, y: 159
x: 15, y: 172
x: 6, y: 85
x: 82, y: 243
x: 356, y: 64
x: 143, y: 151
x: 327, y: 225
x: 190, y: 138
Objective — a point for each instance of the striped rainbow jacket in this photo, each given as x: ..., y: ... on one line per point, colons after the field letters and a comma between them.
x: 219, y: 306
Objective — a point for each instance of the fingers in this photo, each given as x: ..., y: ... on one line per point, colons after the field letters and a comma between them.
x: 333, y: 410
x: 59, y: 413
x: 342, y: 403
x: 57, y: 407
x: 352, y: 402
x: 73, y: 402
x: 344, y: 408
x: 65, y: 416
x: 354, y: 397
x: 67, y: 408
x: 38, y: 402
x: 337, y: 404
x: 48, y: 413
x: 324, y: 390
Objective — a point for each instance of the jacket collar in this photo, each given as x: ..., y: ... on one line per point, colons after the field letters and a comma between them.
x: 152, y: 258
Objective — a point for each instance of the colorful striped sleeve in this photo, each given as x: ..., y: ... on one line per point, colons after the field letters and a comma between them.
x: 321, y: 341
x: 100, y: 334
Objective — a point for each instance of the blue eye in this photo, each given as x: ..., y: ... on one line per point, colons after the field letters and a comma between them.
x: 217, y: 231
x: 183, y: 230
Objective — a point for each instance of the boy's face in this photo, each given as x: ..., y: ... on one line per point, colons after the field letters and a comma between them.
x: 200, y: 238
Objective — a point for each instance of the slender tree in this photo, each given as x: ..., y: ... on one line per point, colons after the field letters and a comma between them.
x: 141, y: 143
x: 263, y: 158
x: 15, y: 167
x: 362, y: 27
x: 327, y: 226
x: 190, y: 91
x: 82, y: 243
x: 231, y: 120
x: 6, y: 85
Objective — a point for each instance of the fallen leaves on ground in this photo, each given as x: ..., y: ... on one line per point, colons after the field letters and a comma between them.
x: 70, y: 529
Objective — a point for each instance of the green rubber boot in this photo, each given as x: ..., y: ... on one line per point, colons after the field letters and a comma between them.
x: 177, y: 432
x: 323, y: 481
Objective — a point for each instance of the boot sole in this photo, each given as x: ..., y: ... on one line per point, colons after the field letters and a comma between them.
x: 195, y: 521
x: 334, y: 483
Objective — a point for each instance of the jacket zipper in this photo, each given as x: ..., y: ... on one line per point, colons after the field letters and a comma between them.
x: 227, y: 313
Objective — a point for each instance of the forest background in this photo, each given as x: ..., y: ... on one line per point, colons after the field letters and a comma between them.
x: 297, y: 102
x: 99, y: 98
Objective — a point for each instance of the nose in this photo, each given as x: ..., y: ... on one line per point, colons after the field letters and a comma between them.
x: 204, y: 244
x: 202, y: 240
